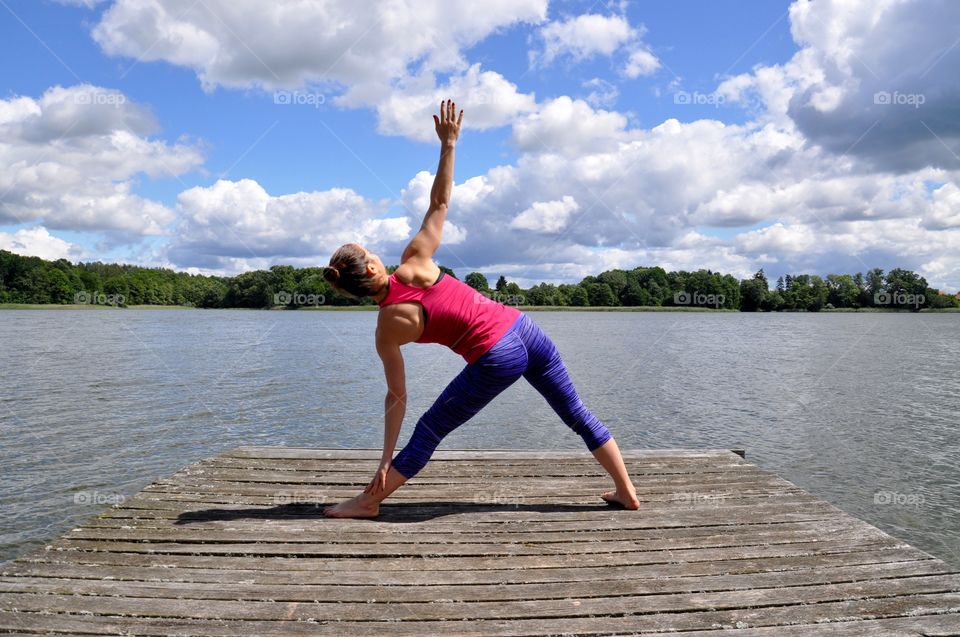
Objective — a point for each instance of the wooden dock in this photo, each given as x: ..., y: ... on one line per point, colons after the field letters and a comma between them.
x: 479, y: 543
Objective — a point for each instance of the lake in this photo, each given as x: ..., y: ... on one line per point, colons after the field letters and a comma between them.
x: 859, y: 409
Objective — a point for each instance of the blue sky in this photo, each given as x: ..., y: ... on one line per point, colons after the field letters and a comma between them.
x: 165, y: 145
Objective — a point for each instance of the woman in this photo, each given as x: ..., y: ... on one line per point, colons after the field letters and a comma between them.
x: 500, y: 344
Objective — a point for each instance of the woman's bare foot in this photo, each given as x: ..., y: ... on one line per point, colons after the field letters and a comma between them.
x: 628, y: 500
x: 359, y: 506
x: 608, y: 455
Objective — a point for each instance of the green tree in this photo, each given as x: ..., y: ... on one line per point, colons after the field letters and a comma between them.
x: 635, y: 295
x: 57, y: 286
x: 863, y: 299
x: 543, y: 294
x: 118, y: 288
x: 283, y: 281
x: 937, y: 300
x: 842, y: 291
x: 906, y: 288
x: 656, y: 282
x: 753, y: 292
x: 806, y: 292
x: 875, y: 284
x: 251, y: 289
x: 579, y: 297
x: 617, y: 281
x: 774, y: 301
x: 566, y: 292
x: 818, y: 293
x: 478, y: 282
x: 600, y: 295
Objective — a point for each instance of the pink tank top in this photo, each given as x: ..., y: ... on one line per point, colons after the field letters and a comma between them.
x: 457, y: 316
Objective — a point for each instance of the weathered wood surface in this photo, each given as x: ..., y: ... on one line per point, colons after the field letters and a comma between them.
x: 481, y: 542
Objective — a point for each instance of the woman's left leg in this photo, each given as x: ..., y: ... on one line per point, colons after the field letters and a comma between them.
x: 469, y: 392
x: 548, y: 375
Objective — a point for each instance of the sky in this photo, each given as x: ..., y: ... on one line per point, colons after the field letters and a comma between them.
x: 220, y: 136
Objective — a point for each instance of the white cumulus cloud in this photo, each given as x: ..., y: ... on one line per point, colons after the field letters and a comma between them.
x: 584, y: 36
x: 546, y: 216
x: 38, y: 242
x: 70, y: 158
x: 590, y: 35
x: 873, y: 80
x: 231, y: 224
x: 384, y: 55
x: 490, y: 98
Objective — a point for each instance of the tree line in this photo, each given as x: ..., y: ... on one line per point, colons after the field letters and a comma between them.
x: 32, y: 280
x: 898, y: 288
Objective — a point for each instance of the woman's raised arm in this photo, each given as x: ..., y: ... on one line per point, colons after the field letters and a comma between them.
x: 427, y: 240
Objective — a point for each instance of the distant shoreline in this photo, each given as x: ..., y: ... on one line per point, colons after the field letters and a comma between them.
x: 524, y: 308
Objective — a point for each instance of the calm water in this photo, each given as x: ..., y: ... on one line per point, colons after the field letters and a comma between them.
x: 860, y: 409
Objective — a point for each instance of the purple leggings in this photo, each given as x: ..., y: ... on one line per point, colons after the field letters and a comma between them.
x: 523, y: 350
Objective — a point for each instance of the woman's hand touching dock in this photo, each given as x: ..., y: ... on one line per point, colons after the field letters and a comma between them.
x: 379, y: 479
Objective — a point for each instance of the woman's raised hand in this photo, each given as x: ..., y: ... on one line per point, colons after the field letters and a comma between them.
x: 448, y: 124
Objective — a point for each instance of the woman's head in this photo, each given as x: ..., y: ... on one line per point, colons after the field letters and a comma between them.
x: 356, y: 271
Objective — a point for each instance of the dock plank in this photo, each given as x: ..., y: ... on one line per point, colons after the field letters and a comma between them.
x: 237, y: 544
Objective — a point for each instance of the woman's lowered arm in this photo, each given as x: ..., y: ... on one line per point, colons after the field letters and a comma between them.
x: 395, y: 402
x: 427, y: 240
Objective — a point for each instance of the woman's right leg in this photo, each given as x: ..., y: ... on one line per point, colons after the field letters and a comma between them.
x: 548, y: 374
